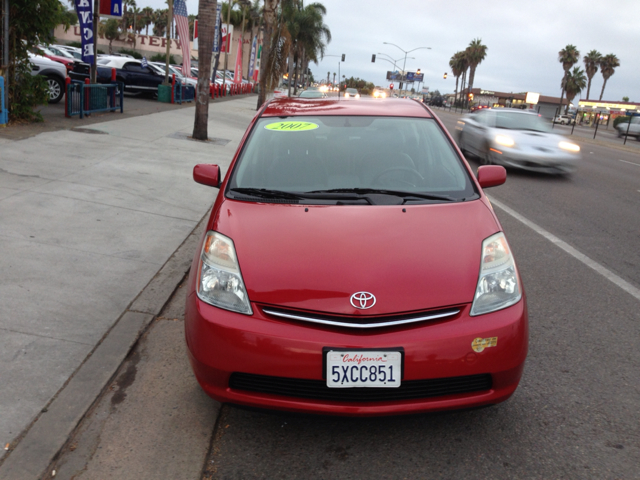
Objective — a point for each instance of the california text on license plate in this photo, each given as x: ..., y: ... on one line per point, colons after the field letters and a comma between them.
x: 358, y: 368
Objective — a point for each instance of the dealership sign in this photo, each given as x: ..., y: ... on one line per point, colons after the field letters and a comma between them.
x: 111, y: 8
x: 85, y: 19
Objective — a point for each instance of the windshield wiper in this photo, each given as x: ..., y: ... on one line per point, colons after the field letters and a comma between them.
x: 395, y: 193
x: 267, y: 193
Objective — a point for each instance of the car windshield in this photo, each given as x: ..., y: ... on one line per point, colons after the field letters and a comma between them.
x: 333, y: 159
x: 521, y: 121
x: 352, y: 90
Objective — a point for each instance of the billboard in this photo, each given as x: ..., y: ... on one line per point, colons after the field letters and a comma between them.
x: 415, y: 77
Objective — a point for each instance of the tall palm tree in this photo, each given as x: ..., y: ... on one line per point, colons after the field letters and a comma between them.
x: 475, y: 53
x: 608, y: 64
x: 207, y: 16
x: 568, y: 57
x: 270, y: 7
x: 160, y: 22
x: 147, y: 18
x: 575, y: 83
x: 457, y: 63
x: 591, y: 63
x: 309, y: 43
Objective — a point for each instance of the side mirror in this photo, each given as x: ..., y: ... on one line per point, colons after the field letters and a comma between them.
x: 491, y: 175
x: 207, y: 175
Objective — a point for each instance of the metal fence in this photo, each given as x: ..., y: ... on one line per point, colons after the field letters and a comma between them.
x: 85, y: 99
x: 183, y: 93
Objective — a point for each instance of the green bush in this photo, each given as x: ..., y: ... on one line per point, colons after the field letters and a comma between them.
x: 162, y: 57
x: 133, y: 53
x: 32, y: 93
x: 621, y: 119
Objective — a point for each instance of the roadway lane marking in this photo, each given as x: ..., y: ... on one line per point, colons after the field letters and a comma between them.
x: 636, y: 164
x: 606, y: 273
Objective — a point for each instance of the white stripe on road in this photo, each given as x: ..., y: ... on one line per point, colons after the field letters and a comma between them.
x: 636, y: 164
x: 606, y: 273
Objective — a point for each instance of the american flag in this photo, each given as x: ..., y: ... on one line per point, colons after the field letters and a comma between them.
x: 182, y: 23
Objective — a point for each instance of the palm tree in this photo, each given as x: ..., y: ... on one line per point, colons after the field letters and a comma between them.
x: 269, y: 17
x: 591, y: 62
x: 147, y: 18
x: 475, y: 54
x: 568, y: 57
x: 160, y: 22
x: 207, y: 16
x: 457, y: 63
x: 575, y: 83
x: 608, y: 64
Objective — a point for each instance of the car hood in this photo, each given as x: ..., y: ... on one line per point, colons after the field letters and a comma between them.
x: 315, y: 258
x: 530, y: 138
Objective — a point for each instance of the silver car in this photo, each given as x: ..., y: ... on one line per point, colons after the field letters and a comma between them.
x: 516, y: 138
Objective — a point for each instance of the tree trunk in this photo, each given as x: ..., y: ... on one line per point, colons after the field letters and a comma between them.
x: 602, y: 92
x: 588, y: 88
x: 564, y: 82
x: 455, y: 102
x: 269, y: 19
x: 290, y: 79
x: 297, y: 74
x: 207, y: 16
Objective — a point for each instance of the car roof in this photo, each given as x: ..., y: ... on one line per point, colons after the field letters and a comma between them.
x: 389, y: 107
x: 118, y: 62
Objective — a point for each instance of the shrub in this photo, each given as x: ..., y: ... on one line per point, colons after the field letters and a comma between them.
x: 161, y: 57
x: 621, y: 119
x: 133, y: 53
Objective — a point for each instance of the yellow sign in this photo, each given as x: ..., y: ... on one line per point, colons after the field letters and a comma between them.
x: 291, y: 126
x: 479, y: 344
x: 607, y: 105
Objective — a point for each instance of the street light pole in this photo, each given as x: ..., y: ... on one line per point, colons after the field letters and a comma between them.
x: 405, y: 58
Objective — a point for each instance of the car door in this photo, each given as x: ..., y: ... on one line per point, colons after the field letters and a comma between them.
x: 141, y: 79
x: 475, y: 130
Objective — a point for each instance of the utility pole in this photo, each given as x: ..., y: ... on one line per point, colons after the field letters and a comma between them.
x: 170, y: 21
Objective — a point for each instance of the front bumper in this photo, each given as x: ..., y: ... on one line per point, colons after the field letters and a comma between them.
x: 222, y: 343
x: 538, y: 161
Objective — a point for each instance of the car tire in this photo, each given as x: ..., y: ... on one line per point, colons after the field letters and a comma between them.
x: 486, y: 157
x: 56, y: 89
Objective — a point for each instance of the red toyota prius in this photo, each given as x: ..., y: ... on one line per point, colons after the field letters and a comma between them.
x: 352, y: 265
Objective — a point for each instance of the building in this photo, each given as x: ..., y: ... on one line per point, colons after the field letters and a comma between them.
x: 546, y: 106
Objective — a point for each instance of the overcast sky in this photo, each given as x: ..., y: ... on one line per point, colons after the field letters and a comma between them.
x: 523, y: 40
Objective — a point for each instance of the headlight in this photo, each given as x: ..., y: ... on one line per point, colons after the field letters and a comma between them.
x: 498, y: 285
x: 346, y: 95
x: 219, y: 278
x: 572, y: 147
x: 357, y: 95
x: 504, y: 141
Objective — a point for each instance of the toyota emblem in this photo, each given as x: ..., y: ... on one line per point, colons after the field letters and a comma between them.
x: 363, y: 300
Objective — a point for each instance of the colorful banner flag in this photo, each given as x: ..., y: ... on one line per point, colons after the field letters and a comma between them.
x: 216, y: 36
x: 182, y: 24
x: 237, y: 73
x: 252, y: 58
x: 256, y: 72
x: 84, y: 9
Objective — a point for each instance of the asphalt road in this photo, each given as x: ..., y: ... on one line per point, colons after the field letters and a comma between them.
x: 575, y: 414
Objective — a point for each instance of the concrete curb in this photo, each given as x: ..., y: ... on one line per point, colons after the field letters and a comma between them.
x: 50, y: 431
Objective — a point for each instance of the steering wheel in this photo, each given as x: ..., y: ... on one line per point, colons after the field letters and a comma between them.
x: 412, y: 171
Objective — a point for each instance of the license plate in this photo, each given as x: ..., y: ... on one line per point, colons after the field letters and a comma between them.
x: 358, y: 368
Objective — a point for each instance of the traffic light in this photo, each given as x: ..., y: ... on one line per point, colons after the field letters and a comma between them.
x: 445, y: 75
x: 373, y: 58
x: 470, y: 96
x: 343, y: 57
x: 391, y: 87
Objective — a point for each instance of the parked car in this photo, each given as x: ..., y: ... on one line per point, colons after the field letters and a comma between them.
x: 135, y: 77
x: 632, y: 128
x: 351, y: 92
x: 45, y: 52
x: 516, y: 138
x: 352, y: 265
x: 75, y: 51
x: 174, y: 71
x: 54, y: 72
x: 564, y: 119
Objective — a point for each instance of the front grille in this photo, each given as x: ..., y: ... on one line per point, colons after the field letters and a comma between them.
x: 361, y: 321
x: 318, y: 390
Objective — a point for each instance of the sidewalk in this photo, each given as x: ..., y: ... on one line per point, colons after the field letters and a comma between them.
x: 96, y: 229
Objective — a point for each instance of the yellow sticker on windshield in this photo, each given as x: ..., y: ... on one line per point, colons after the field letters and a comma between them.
x: 291, y: 126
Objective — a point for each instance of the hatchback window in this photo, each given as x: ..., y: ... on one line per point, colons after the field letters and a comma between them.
x: 326, y: 154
